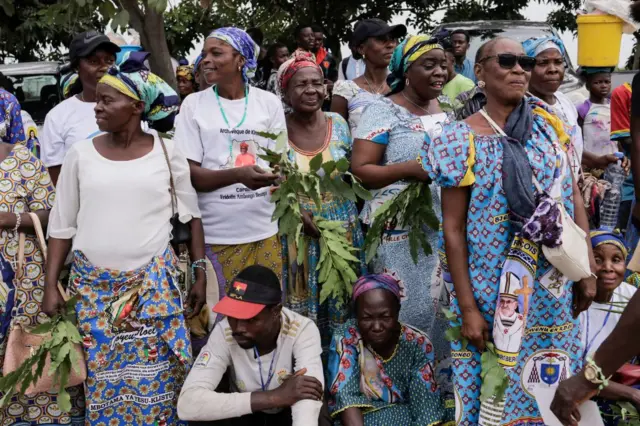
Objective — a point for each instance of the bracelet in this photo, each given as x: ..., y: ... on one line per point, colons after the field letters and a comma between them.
x: 201, y: 264
x: 18, y: 222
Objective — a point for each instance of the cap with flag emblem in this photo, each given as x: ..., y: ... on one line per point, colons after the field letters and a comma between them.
x: 247, y: 295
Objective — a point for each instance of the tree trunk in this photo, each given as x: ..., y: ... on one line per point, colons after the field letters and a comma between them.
x: 150, y: 25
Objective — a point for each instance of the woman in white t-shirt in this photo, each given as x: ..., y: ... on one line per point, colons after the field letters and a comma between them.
x: 216, y: 127
x: 114, y: 208
x: 601, y: 318
x: 74, y: 119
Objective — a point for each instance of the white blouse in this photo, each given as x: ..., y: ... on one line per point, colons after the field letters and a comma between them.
x: 118, y: 212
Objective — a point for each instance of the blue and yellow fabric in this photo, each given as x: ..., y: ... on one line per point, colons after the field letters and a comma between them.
x: 243, y: 44
x: 137, y: 345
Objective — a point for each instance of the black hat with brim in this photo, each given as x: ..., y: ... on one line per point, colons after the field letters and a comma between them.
x: 376, y: 28
x: 84, y: 44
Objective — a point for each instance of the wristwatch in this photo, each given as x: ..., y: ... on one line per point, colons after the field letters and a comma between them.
x: 591, y: 374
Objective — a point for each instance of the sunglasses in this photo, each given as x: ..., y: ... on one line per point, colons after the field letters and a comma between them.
x: 509, y: 60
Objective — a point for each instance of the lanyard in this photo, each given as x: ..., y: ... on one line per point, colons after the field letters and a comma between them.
x: 590, y: 342
x: 271, y: 371
x: 224, y: 116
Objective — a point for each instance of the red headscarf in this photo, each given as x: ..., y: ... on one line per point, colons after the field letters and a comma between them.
x: 299, y: 60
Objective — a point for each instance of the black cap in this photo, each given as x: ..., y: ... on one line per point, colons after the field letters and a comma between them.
x: 376, y: 28
x: 85, y: 43
x: 249, y: 292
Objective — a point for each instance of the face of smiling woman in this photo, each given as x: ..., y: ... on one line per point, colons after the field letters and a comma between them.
x: 428, y: 74
x: 305, y: 91
x: 221, y: 62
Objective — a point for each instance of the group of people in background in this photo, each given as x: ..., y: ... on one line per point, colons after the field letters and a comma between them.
x: 132, y: 177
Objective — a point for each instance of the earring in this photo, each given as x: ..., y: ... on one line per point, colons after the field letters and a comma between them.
x: 406, y: 81
x: 239, y: 68
x: 364, y: 57
x: 481, y: 84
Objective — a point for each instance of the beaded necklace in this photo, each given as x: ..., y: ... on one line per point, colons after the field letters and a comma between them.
x: 224, y: 116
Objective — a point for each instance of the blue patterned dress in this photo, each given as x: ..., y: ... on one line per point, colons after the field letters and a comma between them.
x: 403, y: 133
x: 306, y: 300
x: 550, y: 344
x: 11, y: 128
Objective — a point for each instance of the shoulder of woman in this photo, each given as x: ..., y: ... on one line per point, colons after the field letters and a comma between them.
x: 337, y: 119
x: 265, y: 96
x: 346, y: 88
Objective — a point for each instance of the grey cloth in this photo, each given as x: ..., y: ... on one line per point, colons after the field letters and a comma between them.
x: 516, y: 170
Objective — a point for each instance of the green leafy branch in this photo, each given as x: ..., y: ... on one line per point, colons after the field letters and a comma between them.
x: 60, y: 347
x: 625, y: 411
x: 413, y: 209
x: 337, y: 265
x: 494, y: 377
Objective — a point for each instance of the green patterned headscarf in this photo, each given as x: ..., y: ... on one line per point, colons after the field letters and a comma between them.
x: 405, y: 54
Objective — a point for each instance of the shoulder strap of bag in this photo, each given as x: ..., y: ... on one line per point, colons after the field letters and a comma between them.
x: 42, y: 242
x: 501, y: 132
x: 174, y: 200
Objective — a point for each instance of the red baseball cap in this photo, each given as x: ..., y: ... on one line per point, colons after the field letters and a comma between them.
x: 248, y: 294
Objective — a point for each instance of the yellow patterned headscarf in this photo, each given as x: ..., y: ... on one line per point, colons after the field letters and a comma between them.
x: 407, y: 53
x: 185, y: 71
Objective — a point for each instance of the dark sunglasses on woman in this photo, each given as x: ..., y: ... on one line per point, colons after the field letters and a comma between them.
x: 509, y: 60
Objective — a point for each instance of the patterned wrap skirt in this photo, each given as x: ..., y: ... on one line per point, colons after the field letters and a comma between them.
x: 137, y: 345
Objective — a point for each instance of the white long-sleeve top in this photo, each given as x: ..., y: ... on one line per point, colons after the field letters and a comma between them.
x: 118, y: 212
x: 298, y: 347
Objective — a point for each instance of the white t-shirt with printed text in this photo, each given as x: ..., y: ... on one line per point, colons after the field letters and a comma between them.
x: 233, y: 214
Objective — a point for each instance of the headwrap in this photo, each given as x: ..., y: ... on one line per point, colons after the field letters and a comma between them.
x: 185, y: 71
x: 606, y: 236
x: 196, y: 63
x: 405, y: 54
x: 244, y: 44
x: 374, y: 281
x: 536, y: 45
x: 67, y: 82
x: 300, y: 59
x: 133, y: 79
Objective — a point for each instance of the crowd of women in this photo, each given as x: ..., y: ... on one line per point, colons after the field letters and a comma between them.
x: 118, y: 195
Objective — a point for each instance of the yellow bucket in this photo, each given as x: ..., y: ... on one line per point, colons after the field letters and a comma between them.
x: 599, y: 39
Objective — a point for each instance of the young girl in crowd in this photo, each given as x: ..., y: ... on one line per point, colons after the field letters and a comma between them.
x: 594, y: 115
x: 600, y: 319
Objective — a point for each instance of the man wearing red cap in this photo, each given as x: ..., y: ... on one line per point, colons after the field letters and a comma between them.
x: 245, y: 158
x: 273, y: 355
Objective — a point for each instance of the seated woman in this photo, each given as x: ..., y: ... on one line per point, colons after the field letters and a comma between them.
x: 601, y: 318
x: 381, y: 371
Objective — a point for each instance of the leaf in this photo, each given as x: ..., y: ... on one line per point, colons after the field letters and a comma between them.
x: 81, y: 3
x: 452, y: 334
x: 360, y: 191
x: 449, y: 315
x: 268, y: 135
x: 315, y: 163
x: 121, y: 20
x: 43, y: 328
x: 7, y: 6
x: 339, y: 249
x: 64, y: 401
x: 329, y: 167
x: 342, y: 165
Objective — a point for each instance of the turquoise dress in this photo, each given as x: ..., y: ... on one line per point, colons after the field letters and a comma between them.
x: 304, y: 292
x: 541, y: 334
x: 400, y: 390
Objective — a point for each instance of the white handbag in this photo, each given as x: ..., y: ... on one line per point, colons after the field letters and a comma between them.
x: 571, y: 257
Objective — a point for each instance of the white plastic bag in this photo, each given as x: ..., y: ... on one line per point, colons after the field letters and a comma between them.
x: 619, y: 8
